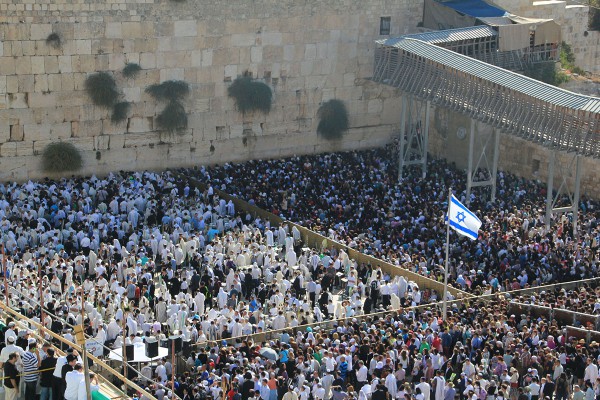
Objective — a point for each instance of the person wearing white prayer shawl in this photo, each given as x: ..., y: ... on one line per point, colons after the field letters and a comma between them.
x: 395, y: 301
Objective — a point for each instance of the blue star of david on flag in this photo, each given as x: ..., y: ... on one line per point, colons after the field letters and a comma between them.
x: 462, y: 220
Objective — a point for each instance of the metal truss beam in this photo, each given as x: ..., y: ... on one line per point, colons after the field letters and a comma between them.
x: 414, y: 134
x: 487, y: 161
x: 563, y: 200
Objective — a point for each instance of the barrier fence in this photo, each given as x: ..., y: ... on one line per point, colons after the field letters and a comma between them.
x: 320, y: 242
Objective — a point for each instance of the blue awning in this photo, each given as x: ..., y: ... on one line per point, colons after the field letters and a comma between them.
x: 474, y: 8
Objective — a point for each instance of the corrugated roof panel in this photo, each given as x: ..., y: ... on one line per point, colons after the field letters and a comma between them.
x: 445, y: 36
x: 509, y: 79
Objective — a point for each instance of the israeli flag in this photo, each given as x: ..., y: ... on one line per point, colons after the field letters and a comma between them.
x: 462, y: 220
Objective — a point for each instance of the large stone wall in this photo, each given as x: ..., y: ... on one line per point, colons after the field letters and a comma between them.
x: 307, y: 52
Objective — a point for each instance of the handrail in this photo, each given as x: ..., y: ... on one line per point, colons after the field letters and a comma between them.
x: 77, y: 347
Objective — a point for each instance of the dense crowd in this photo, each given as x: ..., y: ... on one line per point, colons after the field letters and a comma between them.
x: 135, y: 255
x: 138, y: 256
x: 355, y: 198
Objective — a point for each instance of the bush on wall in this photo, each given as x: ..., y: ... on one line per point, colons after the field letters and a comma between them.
x: 120, y: 111
x: 333, y: 119
x: 173, y: 117
x: 102, y: 89
x: 131, y: 70
x: 250, y: 95
x: 169, y: 90
x: 61, y: 157
x: 53, y: 40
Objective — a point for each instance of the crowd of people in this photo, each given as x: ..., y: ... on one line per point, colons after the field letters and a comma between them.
x: 138, y: 256
x: 355, y: 198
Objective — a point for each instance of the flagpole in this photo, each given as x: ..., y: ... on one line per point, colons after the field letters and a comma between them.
x: 445, y: 299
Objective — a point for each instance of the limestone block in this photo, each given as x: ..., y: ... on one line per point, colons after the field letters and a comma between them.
x: 3, y: 84
x: 113, y: 30
x: 40, y: 31
x: 7, y: 65
x: 23, y: 65
x: 116, y: 61
x: 306, y: 68
x: 231, y: 71
x: 141, y: 139
x: 83, y: 144
x: 117, y: 141
x: 272, y: 54
x: 67, y: 82
x: 64, y: 64
x: 138, y: 124
x: 184, y: 43
x: 271, y: 38
x: 185, y: 28
x: 16, y: 133
x: 207, y: 58
x: 243, y: 39
x: 17, y: 100
x: 12, y: 83
x: 41, y: 84
x: 86, y: 129
x: 131, y: 29
x: 36, y: 132
x: 133, y: 94
x: 102, y: 142
x: 375, y: 106
x: 83, y: 46
x: 108, y: 128
x: 16, y: 149
x: 171, y: 74
x: 256, y: 54
x: 51, y: 64
x: 37, y: 65
x: 148, y: 60
x: 289, y: 52
x: 100, y: 62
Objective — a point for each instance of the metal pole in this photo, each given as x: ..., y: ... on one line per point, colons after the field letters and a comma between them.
x: 124, y: 345
x: 41, y: 299
x: 401, y: 141
x: 576, y: 197
x: 173, y: 365
x: 495, y: 165
x: 5, y: 278
x: 445, y: 299
x: 470, y: 162
x: 426, y: 137
x: 549, y: 188
x: 86, y: 368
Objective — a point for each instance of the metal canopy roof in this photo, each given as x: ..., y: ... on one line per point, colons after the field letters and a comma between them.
x: 500, y: 76
x: 449, y: 35
x: 513, y: 103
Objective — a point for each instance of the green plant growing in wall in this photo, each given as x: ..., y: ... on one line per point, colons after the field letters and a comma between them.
x: 173, y: 117
x: 53, y: 40
x: 250, y: 95
x: 333, y: 119
x: 61, y: 157
x: 102, y: 89
x: 131, y: 70
x: 546, y: 72
x: 120, y: 111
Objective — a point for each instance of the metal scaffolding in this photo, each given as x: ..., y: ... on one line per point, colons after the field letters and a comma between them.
x: 565, y: 199
x: 414, y: 135
x: 485, y: 170
x: 512, y: 103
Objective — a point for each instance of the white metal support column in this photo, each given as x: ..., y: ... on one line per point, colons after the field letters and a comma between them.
x: 402, y: 135
x: 414, y: 135
x: 486, y: 163
x: 565, y: 200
